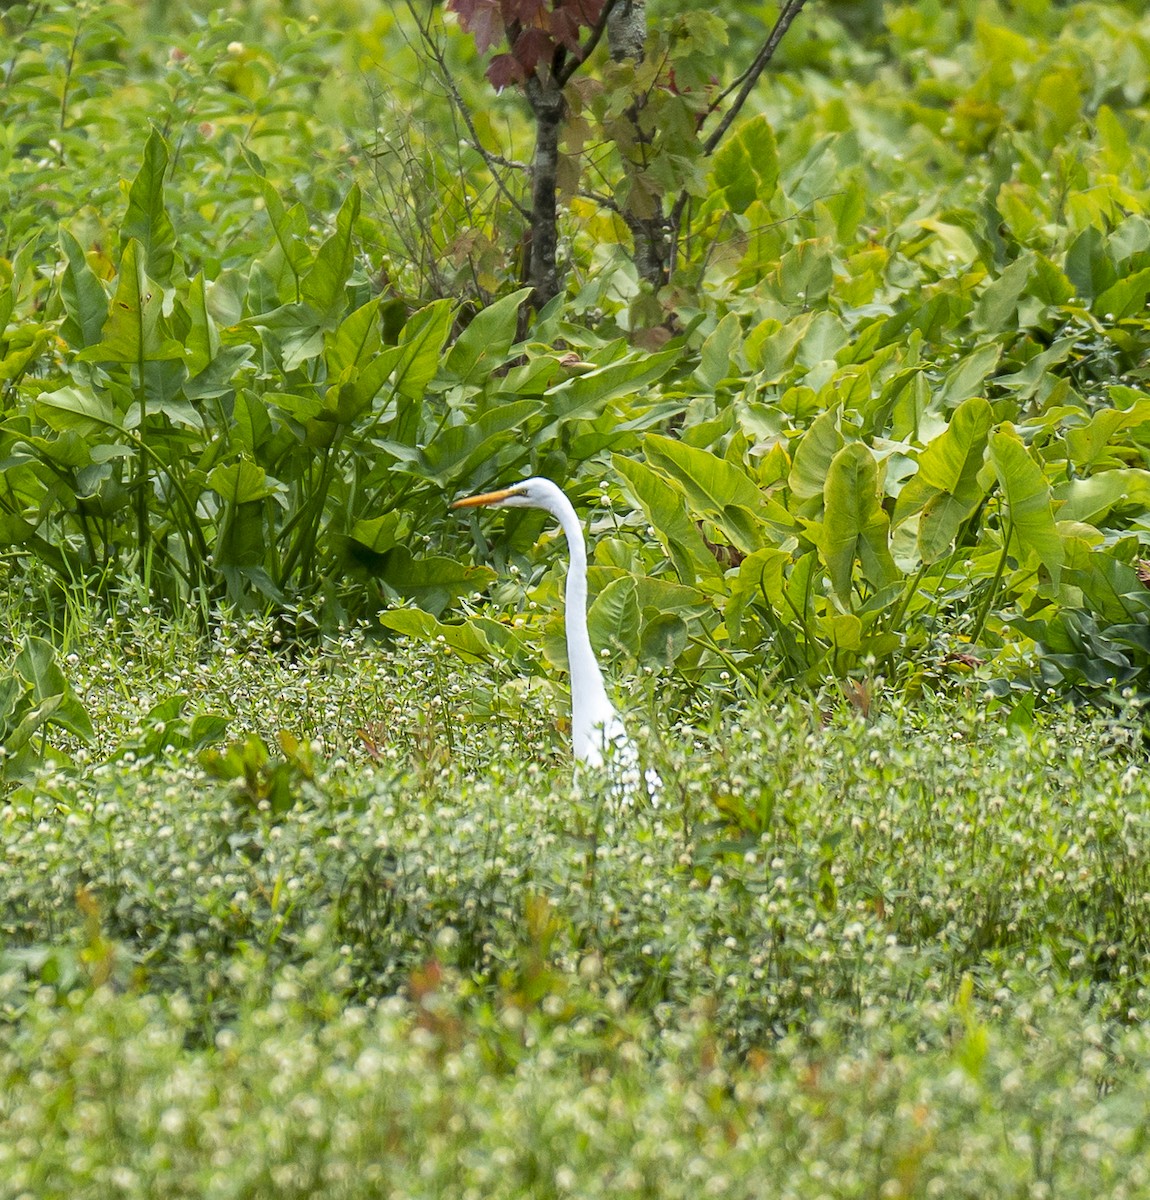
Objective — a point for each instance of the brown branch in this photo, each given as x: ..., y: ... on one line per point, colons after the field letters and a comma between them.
x: 787, y: 14
x: 586, y: 50
x: 745, y: 83
x: 492, y: 160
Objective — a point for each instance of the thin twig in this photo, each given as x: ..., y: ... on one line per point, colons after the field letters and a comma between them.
x: 585, y: 51
x: 787, y: 14
x: 493, y: 161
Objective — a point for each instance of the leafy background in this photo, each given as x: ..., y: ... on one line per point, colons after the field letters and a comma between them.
x: 298, y: 893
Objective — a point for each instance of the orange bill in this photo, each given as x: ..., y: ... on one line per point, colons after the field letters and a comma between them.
x: 486, y: 498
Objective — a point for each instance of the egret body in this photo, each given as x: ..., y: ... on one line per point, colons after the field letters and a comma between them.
x: 598, y: 736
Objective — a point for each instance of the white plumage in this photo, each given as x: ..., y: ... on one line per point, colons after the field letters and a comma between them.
x: 599, y: 738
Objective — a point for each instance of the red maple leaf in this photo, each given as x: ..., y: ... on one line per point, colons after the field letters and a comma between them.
x: 532, y: 46
x: 482, y: 19
x: 505, y: 69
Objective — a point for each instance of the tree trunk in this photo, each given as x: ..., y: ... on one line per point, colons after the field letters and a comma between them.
x: 548, y: 105
x: 627, y: 40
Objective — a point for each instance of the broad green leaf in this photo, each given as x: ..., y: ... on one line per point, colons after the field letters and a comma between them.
x: 664, y: 638
x: 715, y: 356
x: 813, y: 456
x: 147, y: 221
x: 87, y: 413
x: 290, y: 228
x: 202, y: 342
x: 324, y: 285
x: 136, y: 330
x: 484, y: 344
x: 613, y: 618
x: 719, y: 490
x: 356, y: 340
x: 584, y: 397
x: 997, y: 307
x: 459, y: 450
x: 1088, y: 445
x: 967, y: 377
x: 421, y: 345
x: 759, y: 580
x: 854, y: 526
x: 377, y: 534
x: 1028, y: 499
x: 240, y: 482
x: 472, y: 639
x: 1088, y: 266
x: 36, y: 663
x: 946, y: 489
x: 746, y: 167
x: 665, y: 509
x: 1127, y: 298
x: 82, y: 294
x: 1092, y: 500
x: 434, y: 582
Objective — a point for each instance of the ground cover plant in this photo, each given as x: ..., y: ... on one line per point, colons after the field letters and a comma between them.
x: 298, y: 894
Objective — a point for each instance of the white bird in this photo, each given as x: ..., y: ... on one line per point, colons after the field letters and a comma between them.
x: 598, y: 735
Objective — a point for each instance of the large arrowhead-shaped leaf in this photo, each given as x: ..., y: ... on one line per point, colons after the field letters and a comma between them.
x: 323, y: 286
x: 854, y: 526
x: 136, y: 330
x: 665, y: 508
x: 147, y: 221
x: 1028, y: 499
x: 946, y: 488
x: 83, y: 296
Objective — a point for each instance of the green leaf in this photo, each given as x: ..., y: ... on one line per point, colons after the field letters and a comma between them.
x: 82, y: 295
x: 665, y: 509
x: 476, y: 641
x: 484, y: 344
x: 997, y: 307
x: 664, y: 638
x: 814, y: 455
x: 421, y: 345
x: 746, y: 167
x: 1088, y: 266
x: 946, y: 489
x: 584, y: 397
x: 136, y: 330
x: 1028, y: 499
x: 967, y: 377
x: 854, y: 525
x: 240, y: 482
x: 88, y: 413
x: 1091, y: 500
x: 36, y: 663
x: 613, y: 618
x: 324, y: 285
x: 1127, y: 298
x: 147, y: 221
x: 718, y: 349
x: 434, y: 582
x: 720, y: 490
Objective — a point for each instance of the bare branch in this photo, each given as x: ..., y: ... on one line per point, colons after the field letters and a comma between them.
x: 493, y: 161
x: 588, y: 48
x: 789, y: 11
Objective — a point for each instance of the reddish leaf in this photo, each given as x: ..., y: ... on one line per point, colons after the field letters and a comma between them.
x: 564, y: 26
x: 587, y: 12
x: 526, y: 12
x: 482, y: 19
x: 532, y: 46
x: 504, y: 71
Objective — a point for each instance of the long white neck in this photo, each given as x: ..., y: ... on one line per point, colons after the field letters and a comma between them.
x: 586, y: 678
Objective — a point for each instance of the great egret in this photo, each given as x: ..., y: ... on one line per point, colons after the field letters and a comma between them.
x: 599, y: 738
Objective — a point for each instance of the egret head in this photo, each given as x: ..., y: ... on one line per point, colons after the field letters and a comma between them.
x: 531, y: 493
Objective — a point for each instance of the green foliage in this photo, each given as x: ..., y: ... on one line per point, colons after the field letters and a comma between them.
x: 34, y: 695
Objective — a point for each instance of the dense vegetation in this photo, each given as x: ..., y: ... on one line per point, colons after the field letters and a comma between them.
x: 298, y: 894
